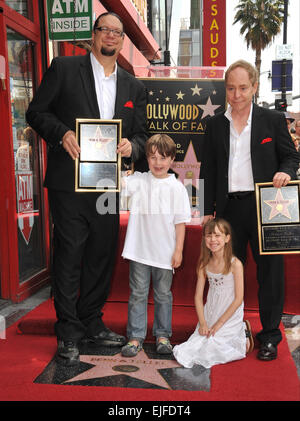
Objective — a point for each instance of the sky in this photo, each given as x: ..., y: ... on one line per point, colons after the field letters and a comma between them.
x: 236, y: 49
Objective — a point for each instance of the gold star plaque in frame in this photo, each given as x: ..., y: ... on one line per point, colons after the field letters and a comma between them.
x: 278, y: 218
x: 98, y: 167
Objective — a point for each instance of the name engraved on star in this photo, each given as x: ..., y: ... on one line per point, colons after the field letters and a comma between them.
x: 127, y: 361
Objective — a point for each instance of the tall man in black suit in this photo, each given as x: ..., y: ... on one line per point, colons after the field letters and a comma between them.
x: 91, y: 86
x: 245, y: 145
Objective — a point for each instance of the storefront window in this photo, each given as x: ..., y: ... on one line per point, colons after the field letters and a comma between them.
x: 24, y: 7
x: 26, y: 157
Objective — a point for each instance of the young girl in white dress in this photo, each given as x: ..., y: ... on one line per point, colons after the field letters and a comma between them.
x: 220, y: 333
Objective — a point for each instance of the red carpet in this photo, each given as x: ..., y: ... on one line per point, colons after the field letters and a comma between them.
x: 31, y: 344
x: 24, y: 357
x: 184, y: 281
x: 41, y: 321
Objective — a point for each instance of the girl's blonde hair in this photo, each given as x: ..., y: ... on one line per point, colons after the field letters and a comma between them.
x: 206, y: 254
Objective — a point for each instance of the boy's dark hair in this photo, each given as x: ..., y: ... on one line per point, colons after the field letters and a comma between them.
x: 163, y: 143
x: 107, y: 14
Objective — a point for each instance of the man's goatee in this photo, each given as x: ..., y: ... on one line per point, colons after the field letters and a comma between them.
x: 106, y: 52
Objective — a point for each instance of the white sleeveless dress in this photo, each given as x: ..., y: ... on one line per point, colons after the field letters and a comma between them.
x: 229, y: 342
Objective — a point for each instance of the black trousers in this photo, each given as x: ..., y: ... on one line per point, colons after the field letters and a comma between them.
x: 84, y: 250
x: 241, y: 214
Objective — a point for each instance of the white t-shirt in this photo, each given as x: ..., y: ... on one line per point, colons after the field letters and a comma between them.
x: 156, y: 206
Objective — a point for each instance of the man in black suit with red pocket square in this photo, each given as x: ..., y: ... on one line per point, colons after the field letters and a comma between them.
x: 245, y: 145
x: 91, y: 86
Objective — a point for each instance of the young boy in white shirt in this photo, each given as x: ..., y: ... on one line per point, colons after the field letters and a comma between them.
x: 159, y: 209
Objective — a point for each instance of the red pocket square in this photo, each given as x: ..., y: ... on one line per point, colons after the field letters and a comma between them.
x: 266, y: 140
x: 129, y: 104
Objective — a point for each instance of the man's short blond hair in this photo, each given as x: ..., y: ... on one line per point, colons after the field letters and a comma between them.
x: 162, y: 143
x: 251, y: 70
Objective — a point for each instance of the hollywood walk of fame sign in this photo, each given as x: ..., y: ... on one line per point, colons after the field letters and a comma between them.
x: 278, y: 218
x: 103, y: 366
x: 180, y: 107
x: 98, y: 167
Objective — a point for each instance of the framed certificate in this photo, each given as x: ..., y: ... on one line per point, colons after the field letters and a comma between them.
x: 278, y: 217
x: 98, y: 167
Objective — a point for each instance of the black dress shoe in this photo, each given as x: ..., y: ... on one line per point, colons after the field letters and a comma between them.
x: 67, y: 353
x: 267, y: 352
x: 107, y: 338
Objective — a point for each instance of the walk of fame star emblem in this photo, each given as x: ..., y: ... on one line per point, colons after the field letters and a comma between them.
x: 102, y: 142
x: 98, y: 142
x: 279, y: 205
x: 189, y: 168
x: 103, y: 366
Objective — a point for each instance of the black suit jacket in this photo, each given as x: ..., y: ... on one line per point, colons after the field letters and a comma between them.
x: 272, y: 150
x: 67, y: 92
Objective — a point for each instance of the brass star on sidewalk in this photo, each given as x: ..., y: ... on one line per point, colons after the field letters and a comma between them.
x: 279, y: 205
x: 140, y: 367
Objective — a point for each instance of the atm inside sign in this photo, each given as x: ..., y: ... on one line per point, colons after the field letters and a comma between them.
x: 70, y: 19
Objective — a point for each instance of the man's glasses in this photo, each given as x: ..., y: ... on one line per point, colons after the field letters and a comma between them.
x: 116, y: 32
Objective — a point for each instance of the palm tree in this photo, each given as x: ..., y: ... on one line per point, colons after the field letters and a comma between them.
x: 261, y: 21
